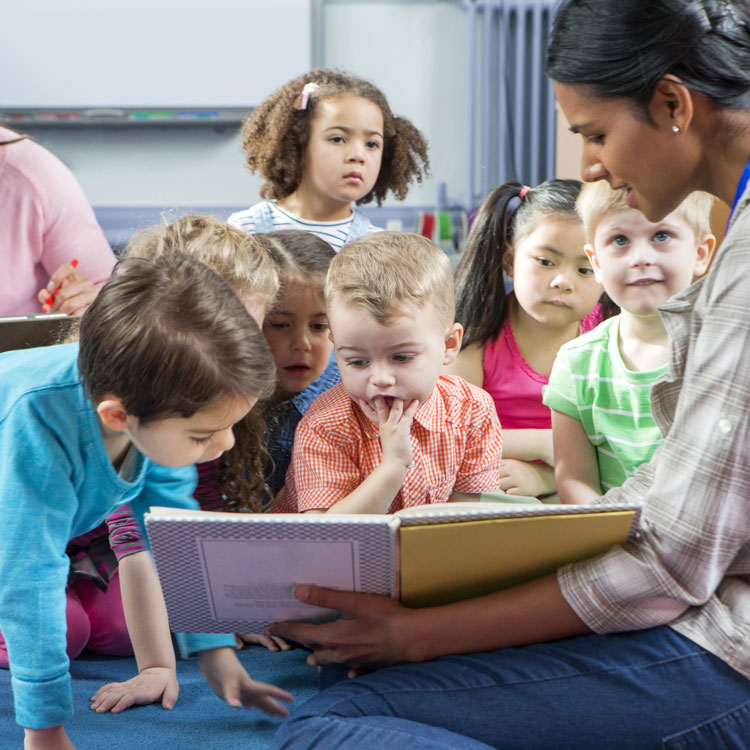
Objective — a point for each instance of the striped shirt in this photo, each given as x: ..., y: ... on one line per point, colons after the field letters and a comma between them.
x: 335, y: 233
x: 591, y: 383
x: 690, y: 567
x: 455, y: 439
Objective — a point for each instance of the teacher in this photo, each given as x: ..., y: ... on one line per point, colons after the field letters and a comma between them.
x: 648, y: 645
x: 45, y: 224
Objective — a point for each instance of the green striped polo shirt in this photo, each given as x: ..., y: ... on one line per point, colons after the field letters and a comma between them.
x: 591, y: 383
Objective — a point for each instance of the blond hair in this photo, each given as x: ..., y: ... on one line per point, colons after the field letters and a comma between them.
x: 235, y: 256
x: 387, y: 273
x: 597, y: 198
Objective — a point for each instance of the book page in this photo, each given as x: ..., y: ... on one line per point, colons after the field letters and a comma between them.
x: 275, y: 565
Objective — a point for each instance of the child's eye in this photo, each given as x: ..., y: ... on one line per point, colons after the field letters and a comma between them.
x: 356, y: 363
x: 594, y: 138
x: 403, y: 357
x: 620, y: 240
x: 319, y: 327
x: 336, y: 139
x: 586, y: 271
x: 662, y: 236
x: 374, y: 145
x: 546, y: 262
x: 276, y: 324
x: 201, y: 440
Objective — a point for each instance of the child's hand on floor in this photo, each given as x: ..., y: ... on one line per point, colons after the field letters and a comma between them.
x: 271, y: 642
x: 394, y: 422
x: 228, y: 679
x: 148, y: 686
x: 524, y: 478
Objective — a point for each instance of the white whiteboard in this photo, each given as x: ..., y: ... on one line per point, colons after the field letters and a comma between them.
x: 150, y: 53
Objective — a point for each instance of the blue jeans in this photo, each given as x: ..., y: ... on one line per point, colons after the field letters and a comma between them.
x: 647, y: 689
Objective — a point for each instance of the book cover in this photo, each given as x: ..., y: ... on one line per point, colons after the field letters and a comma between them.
x: 446, y: 562
x: 234, y: 572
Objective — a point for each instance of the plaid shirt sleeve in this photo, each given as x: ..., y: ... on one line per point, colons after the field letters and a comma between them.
x: 689, y: 567
x: 323, y: 465
x: 480, y: 468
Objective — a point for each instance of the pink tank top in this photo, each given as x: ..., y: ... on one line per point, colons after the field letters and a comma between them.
x: 514, y: 386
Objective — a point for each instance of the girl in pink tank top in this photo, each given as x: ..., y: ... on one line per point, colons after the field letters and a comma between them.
x: 532, y: 240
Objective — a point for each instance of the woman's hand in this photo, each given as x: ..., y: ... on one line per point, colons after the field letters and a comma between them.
x: 148, y: 686
x: 228, y: 679
x: 67, y: 291
x: 370, y: 634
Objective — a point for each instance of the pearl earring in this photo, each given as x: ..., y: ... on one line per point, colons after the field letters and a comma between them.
x: 675, y: 128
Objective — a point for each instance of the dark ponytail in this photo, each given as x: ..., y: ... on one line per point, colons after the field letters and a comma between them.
x: 623, y: 48
x: 503, y: 219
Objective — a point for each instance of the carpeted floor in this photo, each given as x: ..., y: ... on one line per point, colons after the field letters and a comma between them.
x: 199, y: 720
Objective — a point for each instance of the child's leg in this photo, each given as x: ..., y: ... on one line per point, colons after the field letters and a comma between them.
x: 109, y: 633
x: 79, y: 630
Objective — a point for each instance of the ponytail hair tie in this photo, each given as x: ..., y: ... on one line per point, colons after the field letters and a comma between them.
x: 307, y: 90
x: 522, y: 194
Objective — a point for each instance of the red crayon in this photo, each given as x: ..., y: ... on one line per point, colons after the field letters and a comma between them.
x: 51, y: 299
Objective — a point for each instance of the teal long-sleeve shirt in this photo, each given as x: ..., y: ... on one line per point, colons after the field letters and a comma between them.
x: 56, y: 482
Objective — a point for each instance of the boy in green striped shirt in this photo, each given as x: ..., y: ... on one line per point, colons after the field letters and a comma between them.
x: 600, y: 386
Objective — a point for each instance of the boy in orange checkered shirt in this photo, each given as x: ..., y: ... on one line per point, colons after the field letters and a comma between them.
x: 395, y: 432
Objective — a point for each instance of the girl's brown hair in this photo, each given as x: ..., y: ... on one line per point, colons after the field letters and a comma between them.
x: 275, y: 136
x: 168, y: 336
x: 298, y: 255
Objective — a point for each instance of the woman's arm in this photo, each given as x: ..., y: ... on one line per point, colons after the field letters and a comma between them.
x: 468, y: 365
x: 376, y: 631
x: 576, y: 467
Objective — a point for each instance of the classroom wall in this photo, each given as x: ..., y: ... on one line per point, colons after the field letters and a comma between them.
x: 415, y: 51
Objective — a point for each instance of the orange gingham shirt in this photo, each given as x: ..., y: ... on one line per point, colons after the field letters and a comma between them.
x: 455, y: 439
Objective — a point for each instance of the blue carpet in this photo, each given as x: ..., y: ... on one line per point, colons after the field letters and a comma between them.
x: 198, y: 720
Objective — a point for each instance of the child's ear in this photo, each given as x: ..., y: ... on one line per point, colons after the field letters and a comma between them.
x: 112, y: 412
x: 703, y: 254
x: 508, y: 263
x: 591, y: 255
x: 453, y: 340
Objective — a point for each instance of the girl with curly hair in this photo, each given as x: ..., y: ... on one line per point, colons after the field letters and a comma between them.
x: 322, y: 141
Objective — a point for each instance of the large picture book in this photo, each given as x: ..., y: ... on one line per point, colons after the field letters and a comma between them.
x: 234, y: 572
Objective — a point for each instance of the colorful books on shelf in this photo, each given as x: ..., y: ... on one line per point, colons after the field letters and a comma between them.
x: 234, y: 572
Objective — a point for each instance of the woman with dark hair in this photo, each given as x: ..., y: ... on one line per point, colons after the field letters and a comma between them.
x: 660, y: 92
